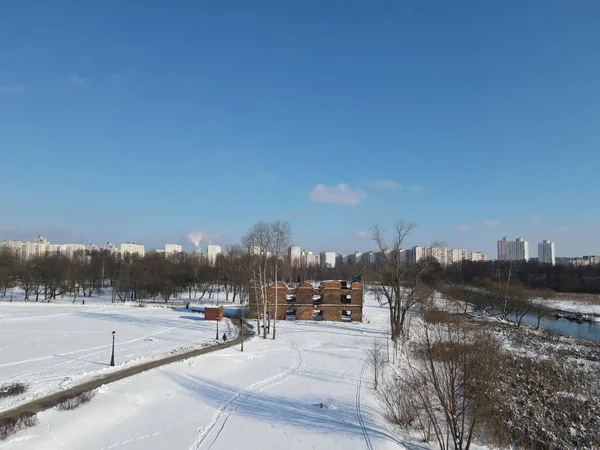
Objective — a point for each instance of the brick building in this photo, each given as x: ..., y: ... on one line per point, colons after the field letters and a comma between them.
x: 338, y: 301
x: 213, y: 313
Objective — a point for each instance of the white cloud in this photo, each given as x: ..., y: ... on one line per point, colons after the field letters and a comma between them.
x: 463, y: 227
x: 78, y: 80
x: 386, y: 184
x: 561, y: 228
x: 492, y: 223
x: 536, y: 218
x: 16, y: 89
x: 415, y: 188
x: 361, y: 234
x: 341, y: 194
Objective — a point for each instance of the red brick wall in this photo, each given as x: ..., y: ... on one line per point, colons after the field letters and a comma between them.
x: 213, y: 313
x: 331, y: 305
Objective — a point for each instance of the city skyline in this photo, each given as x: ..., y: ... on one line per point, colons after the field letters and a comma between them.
x: 331, y: 121
x: 295, y: 254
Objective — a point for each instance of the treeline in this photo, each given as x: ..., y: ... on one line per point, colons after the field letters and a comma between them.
x: 154, y: 276
x: 128, y: 278
x: 560, y: 278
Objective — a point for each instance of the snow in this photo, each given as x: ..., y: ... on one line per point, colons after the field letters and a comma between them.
x: 266, y: 397
x: 575, y: 306
x: 54, y: 346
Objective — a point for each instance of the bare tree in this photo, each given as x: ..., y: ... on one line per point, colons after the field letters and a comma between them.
x: 258, y: 243
x: 282, y: 233
x: 265, y: 242
x: 447, y: 385
x: 400, y: 283
x: 376, y: 359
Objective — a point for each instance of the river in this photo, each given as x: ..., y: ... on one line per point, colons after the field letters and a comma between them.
x: 589, y: 331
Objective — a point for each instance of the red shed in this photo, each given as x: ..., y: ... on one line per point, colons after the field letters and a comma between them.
x: 213, y: 313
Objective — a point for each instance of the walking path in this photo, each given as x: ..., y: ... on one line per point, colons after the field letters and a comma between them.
x: 50, y: 401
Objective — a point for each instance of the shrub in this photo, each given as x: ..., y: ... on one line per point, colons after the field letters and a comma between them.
x: 9, y: 390
x: 12, y: 425
x: 73, y: 402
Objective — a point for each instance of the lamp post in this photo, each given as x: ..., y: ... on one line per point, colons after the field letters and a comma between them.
x: 217, y: 337
x: 242, y: 331
x: 112, y: 358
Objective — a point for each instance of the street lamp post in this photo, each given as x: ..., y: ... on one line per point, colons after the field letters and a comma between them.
x: 112, y: 358
x: 217, y: 337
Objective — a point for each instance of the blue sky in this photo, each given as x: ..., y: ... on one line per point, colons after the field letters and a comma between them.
x: 146, y: 120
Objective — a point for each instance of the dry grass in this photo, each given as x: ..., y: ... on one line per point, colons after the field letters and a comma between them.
x: 75, y: 402
x: 12, y: 425
x: 10, y: 390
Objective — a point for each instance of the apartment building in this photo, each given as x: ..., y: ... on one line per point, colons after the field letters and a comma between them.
x: 133, y: 248
x: 212, y: 250
x: 546, y: 253
x: 172, y: 249
x: 517, y: 250
x: 328, y: 259
x: 295, y: 256
x: 40, y: 246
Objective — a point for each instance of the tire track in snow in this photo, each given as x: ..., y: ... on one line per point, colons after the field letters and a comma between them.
x: 237, y: 400
x: 361, y: 421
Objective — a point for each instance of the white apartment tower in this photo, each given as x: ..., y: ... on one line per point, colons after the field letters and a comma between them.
x: 133, y: 249
x: 212, y: 250
x: 546, y: 254
x: 328, y: 259
x: 172, y: 249
x: 517, y: 250
x: 295, y: 255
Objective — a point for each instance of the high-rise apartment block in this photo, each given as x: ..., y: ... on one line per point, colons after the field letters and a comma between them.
x: 546, y: 253
x: 133, y: 249
x: 172, y: 249
x: 328, y: 259
x: 517, y: 250
x: 41, y: 247
x: 295, y: 256
x: 212, y: 251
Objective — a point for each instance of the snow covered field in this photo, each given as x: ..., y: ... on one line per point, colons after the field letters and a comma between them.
x: 54, y: 346
x: 267, y: 397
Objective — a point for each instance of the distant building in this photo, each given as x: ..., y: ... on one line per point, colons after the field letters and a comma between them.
x: 563, y: 261
x: 588, y: 260
x: 295, y: 256
x: 41, y: 247
x: 212, y: 251
x: 171, y: 249
x: 517, y: 250
x: 328, y: 259
x: 133, y: 249
x: 309, y: 259
x: 111, y: 248
x: 546, y: 253
x: 92, y: 248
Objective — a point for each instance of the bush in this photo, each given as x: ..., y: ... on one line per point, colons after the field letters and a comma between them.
x: 9, y: 390
x: 73, y: 402
x: 12, y: 425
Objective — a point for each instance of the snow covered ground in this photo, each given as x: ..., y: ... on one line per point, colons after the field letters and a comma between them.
x: 54, y: 346
x: 575, y: 306
x: 267, y: 397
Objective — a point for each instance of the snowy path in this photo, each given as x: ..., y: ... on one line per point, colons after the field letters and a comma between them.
x: 266, y: 397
